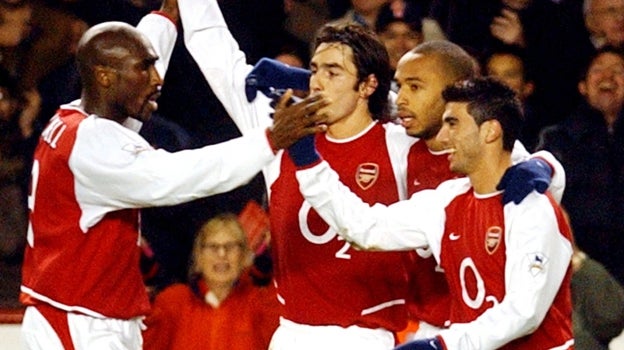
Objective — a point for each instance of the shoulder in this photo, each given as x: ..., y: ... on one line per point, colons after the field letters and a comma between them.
x: 454, y: 187
x: 177, y: 291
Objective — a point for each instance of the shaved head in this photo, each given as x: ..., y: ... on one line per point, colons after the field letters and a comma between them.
x: 107, y: 44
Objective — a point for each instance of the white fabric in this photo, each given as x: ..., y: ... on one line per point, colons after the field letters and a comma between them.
x: 290, y: 335
x: 88, y: 333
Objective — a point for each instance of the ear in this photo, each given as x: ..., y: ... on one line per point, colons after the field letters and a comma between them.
x: 103, y: 75
x: 492, y: 129
x: 368, y: 86
x: 582, y: 87
x: 527, y: 89
x: 590, y: 24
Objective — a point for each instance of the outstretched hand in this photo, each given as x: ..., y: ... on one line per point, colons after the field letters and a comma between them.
x: 521, y: 179
x: 294, y: 120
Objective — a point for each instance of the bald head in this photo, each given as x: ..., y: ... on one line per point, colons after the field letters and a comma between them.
x: 117, y: 67
x: 107, y: 44
x: 455, y: 61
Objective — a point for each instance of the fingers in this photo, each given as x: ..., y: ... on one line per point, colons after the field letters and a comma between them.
x: 285, y: 100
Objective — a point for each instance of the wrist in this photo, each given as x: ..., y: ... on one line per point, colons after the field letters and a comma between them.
x: 269, y: 137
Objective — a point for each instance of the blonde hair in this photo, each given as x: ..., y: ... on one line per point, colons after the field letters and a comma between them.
x: 225, y: 221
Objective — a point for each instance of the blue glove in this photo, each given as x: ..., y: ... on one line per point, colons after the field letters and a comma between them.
x: 270, y: 74
x: 422, y: 344
x: 303, y: 152
x: 522, y: 178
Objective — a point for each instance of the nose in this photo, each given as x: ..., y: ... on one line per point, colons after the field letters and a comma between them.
x: 155, y: 77
x: 443, y: 135
x: 315, y: 83
x: 400, y: 99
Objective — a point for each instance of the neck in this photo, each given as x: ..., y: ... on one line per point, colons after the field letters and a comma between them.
x: 489, y: 172
x: 93, y: 107
x: 352, y: 124
x: 221, y: 291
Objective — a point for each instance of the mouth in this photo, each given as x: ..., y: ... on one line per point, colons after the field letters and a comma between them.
x: 607, y: 87
x: 221, y: 267
x: 450, y: 152
x: 152, y: 100
x: 405, y: 117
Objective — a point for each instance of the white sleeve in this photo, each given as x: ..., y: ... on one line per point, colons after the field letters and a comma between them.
x: 222, y: 63
x: 403, y: 225
x: 399, y: 143
x: 162, y: 33
x: 114, y: 168
x: 537, y: 260
x: 558, y: 179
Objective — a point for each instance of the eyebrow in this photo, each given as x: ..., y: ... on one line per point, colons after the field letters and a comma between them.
x: 412, y: 80
x: 448, y: 118
x: 328, y: 65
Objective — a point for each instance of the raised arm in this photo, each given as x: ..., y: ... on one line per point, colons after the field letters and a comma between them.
x: 222, y: 63
x: 160, y: 29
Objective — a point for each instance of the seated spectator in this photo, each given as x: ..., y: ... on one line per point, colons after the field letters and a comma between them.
x: 590, y: 146
x: 220, y: 308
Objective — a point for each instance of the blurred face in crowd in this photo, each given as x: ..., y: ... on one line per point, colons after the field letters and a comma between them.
x: 398, y: 38
x: 8, y: 104
x: 421, y: 79
x: 367, y: 6
x: 509, y: 69
x: 603, y: 86
x: 605, y: 18
x: 15, y: 24
x: 517, y: 4
x: 223, y: 253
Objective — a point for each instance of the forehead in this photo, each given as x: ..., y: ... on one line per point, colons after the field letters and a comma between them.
x: 333, y: 54
x: 223, y: 231
x: 601, y: 4
x: 607, y: 58
x: 504, y: 61
x: 423, y: 67
x: 456, y: 110
x: 397, y: 27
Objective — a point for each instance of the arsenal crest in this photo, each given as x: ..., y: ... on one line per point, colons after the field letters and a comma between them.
x: 493, y: 238
x: 366, y: 175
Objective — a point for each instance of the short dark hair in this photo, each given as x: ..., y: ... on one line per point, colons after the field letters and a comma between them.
x: 412, y: 16
x: 369, y: 56
x: 490, y: 99
x: 599, y: 52
x: 519, y: 53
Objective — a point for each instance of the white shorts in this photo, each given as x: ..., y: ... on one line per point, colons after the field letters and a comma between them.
x: 293, y: 336
x: 61, y: 330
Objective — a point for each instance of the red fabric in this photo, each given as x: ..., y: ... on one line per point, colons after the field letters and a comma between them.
x: 246, y: 319
x: 58, y: 320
